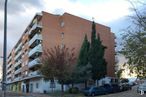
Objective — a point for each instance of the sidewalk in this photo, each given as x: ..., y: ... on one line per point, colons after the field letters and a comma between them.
x: 14, y: 94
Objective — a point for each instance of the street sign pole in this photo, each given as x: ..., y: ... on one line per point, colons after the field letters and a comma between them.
x: 4, y: 49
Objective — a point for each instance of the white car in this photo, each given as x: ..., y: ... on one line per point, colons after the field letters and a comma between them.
x: 141, y: 87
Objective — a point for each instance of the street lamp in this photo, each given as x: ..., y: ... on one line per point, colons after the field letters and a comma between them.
x: 4, y: 49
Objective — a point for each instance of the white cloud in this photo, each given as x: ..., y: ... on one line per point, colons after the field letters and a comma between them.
x: 105, y: 11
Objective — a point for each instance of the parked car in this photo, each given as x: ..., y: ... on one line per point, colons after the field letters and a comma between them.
x: 94, y: 91
x: 125, y: 87
x: 112, y: 88
x: 141, y: 87
x: 108, y: 88
x: 116, y: 88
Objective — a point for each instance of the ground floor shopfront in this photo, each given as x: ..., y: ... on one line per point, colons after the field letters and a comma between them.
x: 35, y: 85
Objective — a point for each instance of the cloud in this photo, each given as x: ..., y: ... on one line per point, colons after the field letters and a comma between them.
x: 105, y: 11
x: 19, y: 6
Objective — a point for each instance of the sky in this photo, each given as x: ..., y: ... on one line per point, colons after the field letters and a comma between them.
x: 112, y: 13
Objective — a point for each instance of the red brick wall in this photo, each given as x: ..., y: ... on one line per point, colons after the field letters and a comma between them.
x: 74, y: 31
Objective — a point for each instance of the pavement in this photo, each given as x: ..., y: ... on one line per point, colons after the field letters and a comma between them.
x: 130, y: 93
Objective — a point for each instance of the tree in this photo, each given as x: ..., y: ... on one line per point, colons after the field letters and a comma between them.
x: 119, y: 73
x: 83, y: 55
x: 96, y: 55
x: 83, y: 68
x: 134, y: 42
x: 58, y: 63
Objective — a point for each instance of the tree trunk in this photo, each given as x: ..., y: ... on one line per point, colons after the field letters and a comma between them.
x: 85, y: 84
x: 72, y: 85
x: 52, y: 84
x: 62, y: 88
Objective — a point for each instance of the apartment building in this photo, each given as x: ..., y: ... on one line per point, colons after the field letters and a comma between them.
x: 45, y: 31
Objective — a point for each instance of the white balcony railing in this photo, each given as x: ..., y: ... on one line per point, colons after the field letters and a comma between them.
x: 17, y: 63
x: 18, y: 71
x: 18, y: 47
x: 10, y: 58
x: 8, y: 76
x: 34, y: 63
x: 36, y: 37
x: 34, y: 73
x: 38, y: 48
x: 8, y: 70
x: 17, y: 79
x: 18, y: 55
x: 8, y: 65
x: 36, y: 25
x: 9, y: 81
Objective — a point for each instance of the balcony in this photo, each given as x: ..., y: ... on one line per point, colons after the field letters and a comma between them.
x: 35, y: 28
x: 18, y: 71
x: 8, y: 76
x: 34, y: 63
x: 18, y: 47
x: 8, y: 65
x: 17, y: 78
x: 10, y: 57
x: 8, y: 69
x: 18, y: 55
x: 17, y: 63
x: 37, y: 49
x: 9, y: 81
x: 34, y: 74
x: 36, y: 37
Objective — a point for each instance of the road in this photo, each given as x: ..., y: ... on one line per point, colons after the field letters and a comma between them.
x: 130, y: 93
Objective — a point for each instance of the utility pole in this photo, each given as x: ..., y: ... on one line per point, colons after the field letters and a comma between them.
x: 4, y: 49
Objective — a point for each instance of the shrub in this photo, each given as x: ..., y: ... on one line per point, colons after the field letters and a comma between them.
x: 73, y: 90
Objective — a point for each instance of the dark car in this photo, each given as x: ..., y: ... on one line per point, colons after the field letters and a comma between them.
x: 94, y: 91
x: 116, y: 88
x: 111, y: 88
x: 108, y: 88
x: 125, y: 87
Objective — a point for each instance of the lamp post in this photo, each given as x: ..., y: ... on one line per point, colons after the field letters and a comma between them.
x: 4, y: 49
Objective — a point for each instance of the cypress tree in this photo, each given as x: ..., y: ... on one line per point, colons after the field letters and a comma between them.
x: 96, y: 55
x: 83, y: 56
x: 83, y: 69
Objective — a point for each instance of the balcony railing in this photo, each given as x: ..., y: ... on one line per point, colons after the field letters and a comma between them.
x: 9, y: 58
x: 35, y: 26
x: 9, y: 81
x: 34, y: 73
x: 17, y: 63
x: 17, y: 79
x: 8, y: 69
x: 36, y: 37
x: 36, y: 49
x: 8, y: 76
x: 18, y: 71
x: 8, y: 65
x: 18, y: 55
x: 18, y: 47
x: 34, y: 63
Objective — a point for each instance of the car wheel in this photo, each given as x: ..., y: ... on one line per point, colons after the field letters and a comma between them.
x: 93, y: 94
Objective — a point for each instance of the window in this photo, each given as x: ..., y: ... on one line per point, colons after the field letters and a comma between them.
x: 62, y: 24
x: 37, y: 85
